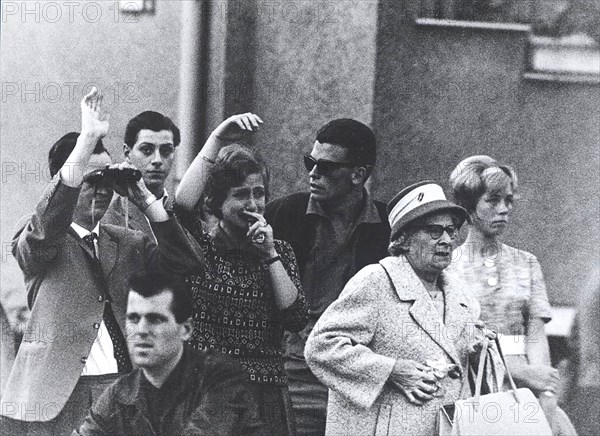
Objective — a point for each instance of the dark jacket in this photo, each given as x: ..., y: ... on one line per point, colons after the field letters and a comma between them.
x: 210, y: 397
x: 290, y: 223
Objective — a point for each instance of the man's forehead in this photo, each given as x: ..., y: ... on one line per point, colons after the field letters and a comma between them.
x: 328, y: 151
x: 159, y: 303
x: 162, y: 137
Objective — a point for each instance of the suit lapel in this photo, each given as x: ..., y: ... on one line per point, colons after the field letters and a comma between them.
x: 108, y: 251
x: 137, y: 219
x: 410, y: 288
x: 457, y: 306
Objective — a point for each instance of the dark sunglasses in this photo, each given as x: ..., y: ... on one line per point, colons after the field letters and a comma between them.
x: 324, y: 166
x: 436, y: 231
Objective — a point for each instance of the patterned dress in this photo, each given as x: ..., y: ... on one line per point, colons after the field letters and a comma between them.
x: 511, y: 291
x: 508, y: 285
x: 235, y: 310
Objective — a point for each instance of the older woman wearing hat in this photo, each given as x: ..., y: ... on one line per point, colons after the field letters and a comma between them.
x: 393, y: 348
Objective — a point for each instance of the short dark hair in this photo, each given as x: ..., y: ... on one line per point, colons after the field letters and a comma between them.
x: 470, y: 179
x: 354, y: 136
x: 233, y: 164
x: 152, y: 121
x: 150, y: 285
x: 60, y: 151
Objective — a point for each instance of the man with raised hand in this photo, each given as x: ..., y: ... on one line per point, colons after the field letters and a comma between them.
x: 335, y: 230
x: 75, y: 273
x: 175, y: 389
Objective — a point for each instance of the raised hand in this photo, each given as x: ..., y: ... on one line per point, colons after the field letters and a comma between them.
x: 94, y: 121
x: 238, y: 127
x: 415, y: 380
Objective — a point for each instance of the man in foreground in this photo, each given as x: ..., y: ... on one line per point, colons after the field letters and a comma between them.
x: 174, y: 390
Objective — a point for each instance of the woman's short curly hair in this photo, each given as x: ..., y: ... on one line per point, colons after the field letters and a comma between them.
x: 475, y: 175
x: 233, y: 164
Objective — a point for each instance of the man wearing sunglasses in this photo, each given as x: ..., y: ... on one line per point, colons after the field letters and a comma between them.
x: 75, y: 272
x: 150, y: 143
x: 336, y: 229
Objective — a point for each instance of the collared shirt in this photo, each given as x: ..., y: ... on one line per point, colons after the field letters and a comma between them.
x: 101, y: 359
x: 331, y: 262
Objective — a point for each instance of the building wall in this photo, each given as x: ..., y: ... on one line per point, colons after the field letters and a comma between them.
x: 51, y: 52
x: 443, y: 94
x: 299, y: 65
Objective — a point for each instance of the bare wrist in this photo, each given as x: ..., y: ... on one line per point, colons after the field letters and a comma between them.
x: 90, y: 134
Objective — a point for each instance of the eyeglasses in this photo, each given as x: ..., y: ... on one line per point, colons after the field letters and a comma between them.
x: 324, y: 166
x: 436, y: 231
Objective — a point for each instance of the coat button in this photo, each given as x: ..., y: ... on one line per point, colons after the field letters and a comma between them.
x: 100, y: 298
x: 83, y: 359
x: 492, y: 281
x: 96, y: 325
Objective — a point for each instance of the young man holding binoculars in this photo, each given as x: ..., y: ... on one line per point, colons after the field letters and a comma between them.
x: 76, y: 272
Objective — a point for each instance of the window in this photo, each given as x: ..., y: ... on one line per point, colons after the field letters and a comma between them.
x: 564, y: 34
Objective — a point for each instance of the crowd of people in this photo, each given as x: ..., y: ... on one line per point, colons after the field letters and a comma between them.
x: 325, y: 312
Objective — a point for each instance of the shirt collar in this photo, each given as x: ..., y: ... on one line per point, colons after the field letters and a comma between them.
x: 368, y: 214
x: 81, y: 232
x: 165, y: 197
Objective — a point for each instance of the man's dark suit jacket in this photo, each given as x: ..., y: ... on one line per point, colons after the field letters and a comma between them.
x: 67, y: 299
x: 209, y: 396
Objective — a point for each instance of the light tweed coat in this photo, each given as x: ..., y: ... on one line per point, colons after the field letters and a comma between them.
x: 384, y: 313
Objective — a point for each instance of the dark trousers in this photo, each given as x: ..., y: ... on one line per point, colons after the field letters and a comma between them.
x: 87, y: 390
x: 274, y: 409
x: 309, y: 398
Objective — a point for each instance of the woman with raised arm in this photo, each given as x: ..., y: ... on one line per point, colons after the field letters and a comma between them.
x: 507, y: 282
x: 250, y: 291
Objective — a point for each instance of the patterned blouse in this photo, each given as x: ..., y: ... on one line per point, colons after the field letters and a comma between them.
x: 509, y: 286
x: 235, y: 309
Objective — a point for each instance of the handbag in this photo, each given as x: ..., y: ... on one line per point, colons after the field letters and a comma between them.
x: 514, y: 412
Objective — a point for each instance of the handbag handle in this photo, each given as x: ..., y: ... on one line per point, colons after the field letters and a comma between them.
x: 480, y: 370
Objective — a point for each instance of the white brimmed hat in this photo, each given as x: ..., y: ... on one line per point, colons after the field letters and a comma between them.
x: 418, y: 200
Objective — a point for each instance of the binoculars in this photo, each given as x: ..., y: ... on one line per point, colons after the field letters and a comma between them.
x: 114, y: 176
